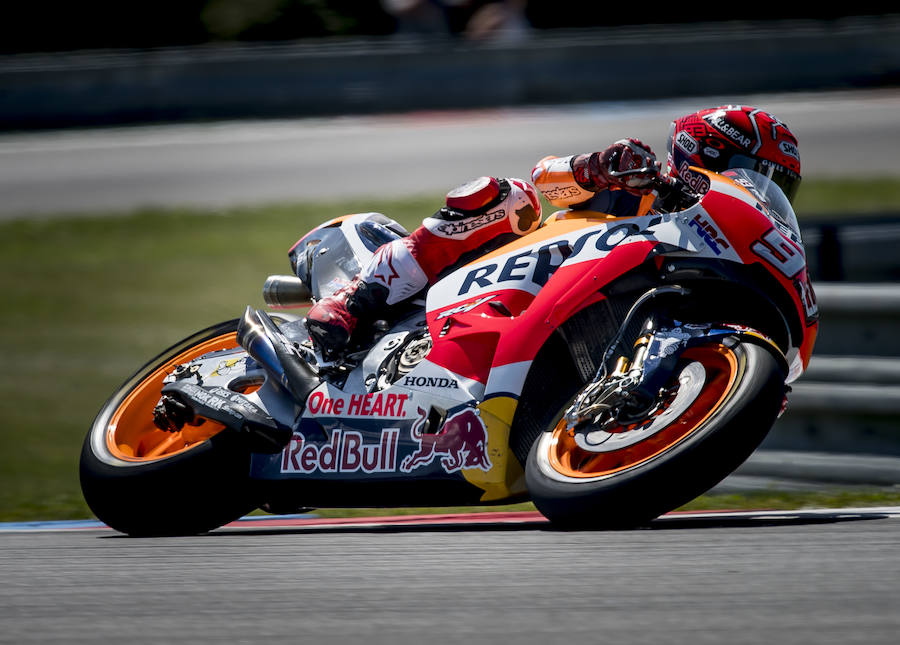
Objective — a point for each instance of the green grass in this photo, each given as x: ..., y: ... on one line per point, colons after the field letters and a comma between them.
x: 839, y: 198
x: 88, y: 300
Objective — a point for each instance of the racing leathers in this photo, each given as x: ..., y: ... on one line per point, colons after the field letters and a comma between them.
x: 615, y: 181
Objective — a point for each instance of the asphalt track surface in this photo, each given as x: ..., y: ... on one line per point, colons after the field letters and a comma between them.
x: 237, y: 163
x: 804, y: 577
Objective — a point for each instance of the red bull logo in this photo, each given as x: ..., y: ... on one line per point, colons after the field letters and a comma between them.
x: 461, y: 444
x: 347, y: 452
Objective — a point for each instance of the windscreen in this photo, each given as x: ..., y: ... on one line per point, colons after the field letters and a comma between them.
x: 326, y: 263
x: 768, y: 192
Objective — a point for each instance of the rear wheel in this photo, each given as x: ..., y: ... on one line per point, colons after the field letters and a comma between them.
x: 141, y: 480
x: 713, y: 414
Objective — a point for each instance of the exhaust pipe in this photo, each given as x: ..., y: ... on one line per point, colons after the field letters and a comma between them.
x: 268, y: 346
x: 285, y: 291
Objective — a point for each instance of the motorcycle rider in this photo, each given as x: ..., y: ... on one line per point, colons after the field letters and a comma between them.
x: 488, y: 211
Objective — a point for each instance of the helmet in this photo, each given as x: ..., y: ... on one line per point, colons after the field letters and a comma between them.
x: 513, y: 199
x: 733, y: 136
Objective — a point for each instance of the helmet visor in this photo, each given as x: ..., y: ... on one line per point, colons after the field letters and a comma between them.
x: 786, y: 179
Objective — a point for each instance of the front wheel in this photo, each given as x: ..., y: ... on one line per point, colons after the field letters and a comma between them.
x: 714, y: 414
x: 141, y: 480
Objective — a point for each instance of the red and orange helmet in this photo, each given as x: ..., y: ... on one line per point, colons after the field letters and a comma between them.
x: 734, y: 136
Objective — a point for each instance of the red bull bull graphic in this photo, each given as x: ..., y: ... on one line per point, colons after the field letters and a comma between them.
x: 461, y: 444
x: 346, y: 452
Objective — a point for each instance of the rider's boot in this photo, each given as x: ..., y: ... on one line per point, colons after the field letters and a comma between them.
x: 333, y: 319
x: 393, y: 275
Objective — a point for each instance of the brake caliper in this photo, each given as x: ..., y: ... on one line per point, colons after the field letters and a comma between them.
x: 637, y: 388
x: 170, y: 414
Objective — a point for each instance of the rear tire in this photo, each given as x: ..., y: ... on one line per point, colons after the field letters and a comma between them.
x: 630, y: 486
x: 137, y: 485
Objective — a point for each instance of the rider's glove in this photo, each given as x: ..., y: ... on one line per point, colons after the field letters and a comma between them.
x: 627, y: 164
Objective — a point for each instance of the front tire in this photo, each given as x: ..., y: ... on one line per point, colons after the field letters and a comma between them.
x: 143, y: 481
x: 679, y: 456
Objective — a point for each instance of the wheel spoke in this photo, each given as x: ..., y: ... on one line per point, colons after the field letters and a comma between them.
x: 163, y: 446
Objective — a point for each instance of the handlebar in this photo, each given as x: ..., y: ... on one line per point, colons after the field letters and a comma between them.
x: 674, y: 193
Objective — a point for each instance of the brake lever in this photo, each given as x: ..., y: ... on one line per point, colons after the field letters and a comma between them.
x: 635, y: 171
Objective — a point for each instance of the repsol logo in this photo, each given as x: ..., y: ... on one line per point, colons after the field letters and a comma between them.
x: 536, y: 267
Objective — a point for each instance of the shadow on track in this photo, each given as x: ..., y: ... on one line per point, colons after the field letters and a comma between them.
x: 665, y: 523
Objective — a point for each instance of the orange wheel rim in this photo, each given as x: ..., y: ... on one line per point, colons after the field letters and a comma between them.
x: 132, y: 435
x: 569, y: 459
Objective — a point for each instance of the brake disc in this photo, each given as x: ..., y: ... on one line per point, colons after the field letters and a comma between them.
x: 691, y: 380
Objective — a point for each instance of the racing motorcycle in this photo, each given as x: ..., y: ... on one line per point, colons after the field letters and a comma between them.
x: 609, y: 369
